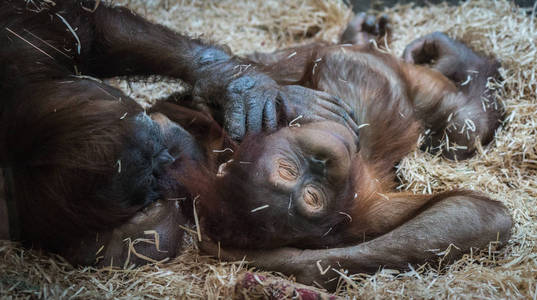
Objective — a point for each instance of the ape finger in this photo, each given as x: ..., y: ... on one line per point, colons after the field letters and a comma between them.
x: 254, y: 112
x: 355, y: 26
x: 234, y: 119
x: 370, y: 25
x: 384, y: 25
x: 344, y: 119
x: 270, y: 118
x: 335, y: 105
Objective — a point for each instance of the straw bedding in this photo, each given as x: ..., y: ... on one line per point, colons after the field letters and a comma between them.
x: 506, y: 169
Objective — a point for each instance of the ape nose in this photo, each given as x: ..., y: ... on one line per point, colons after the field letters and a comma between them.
x: 318, y: 166
x: 164, y: 158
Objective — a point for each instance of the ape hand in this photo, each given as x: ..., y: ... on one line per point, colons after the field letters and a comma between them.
x: 255, y: 102
x: 250, y: 105
x: 303, y: 104
x: 246, y: 103
x: 451, y: 58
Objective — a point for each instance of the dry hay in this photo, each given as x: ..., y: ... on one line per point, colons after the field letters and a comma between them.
x: 506, y: 169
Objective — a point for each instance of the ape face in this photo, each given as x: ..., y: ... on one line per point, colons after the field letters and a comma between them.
x: 309, y: 164
x: 139, y: 180
x: 152, y: 145
x: 295, y: 183
x: 142, y: 162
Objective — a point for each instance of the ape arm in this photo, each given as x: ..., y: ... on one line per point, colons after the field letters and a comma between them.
x: 112, y: 41
x: 127, y: 44
x: 452, y: 99
x: 462, y: 219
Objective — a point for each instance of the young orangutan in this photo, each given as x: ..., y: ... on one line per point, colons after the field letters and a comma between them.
x: 315, y: 186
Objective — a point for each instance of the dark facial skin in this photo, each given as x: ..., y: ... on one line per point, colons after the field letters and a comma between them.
x: 304, y: 170
x: 307, y: 167
x: 142, y: 180
x: 142, y: 162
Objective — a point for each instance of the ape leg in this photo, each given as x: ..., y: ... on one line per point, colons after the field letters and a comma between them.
x: 460, y: 110
x: 294, y: 65
x: 457, y: 221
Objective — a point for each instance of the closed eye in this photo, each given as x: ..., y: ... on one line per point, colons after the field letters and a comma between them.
x: 287, y: 170
x: 313, y: 198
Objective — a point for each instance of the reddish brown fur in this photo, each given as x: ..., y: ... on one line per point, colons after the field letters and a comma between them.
x: 84, y: 159
x: 397, y: 100
x: 69, y: 131
x: 61, y: 137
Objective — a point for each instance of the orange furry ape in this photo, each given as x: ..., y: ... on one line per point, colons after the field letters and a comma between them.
x: 316, y: 186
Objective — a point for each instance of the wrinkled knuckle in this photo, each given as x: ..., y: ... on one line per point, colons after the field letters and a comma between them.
x: 235, y: 130
x: 241, y: 84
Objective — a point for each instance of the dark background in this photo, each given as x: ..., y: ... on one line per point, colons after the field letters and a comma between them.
x: 364, y: 5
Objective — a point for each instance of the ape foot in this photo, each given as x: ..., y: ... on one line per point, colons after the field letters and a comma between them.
x: 363, y: 28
